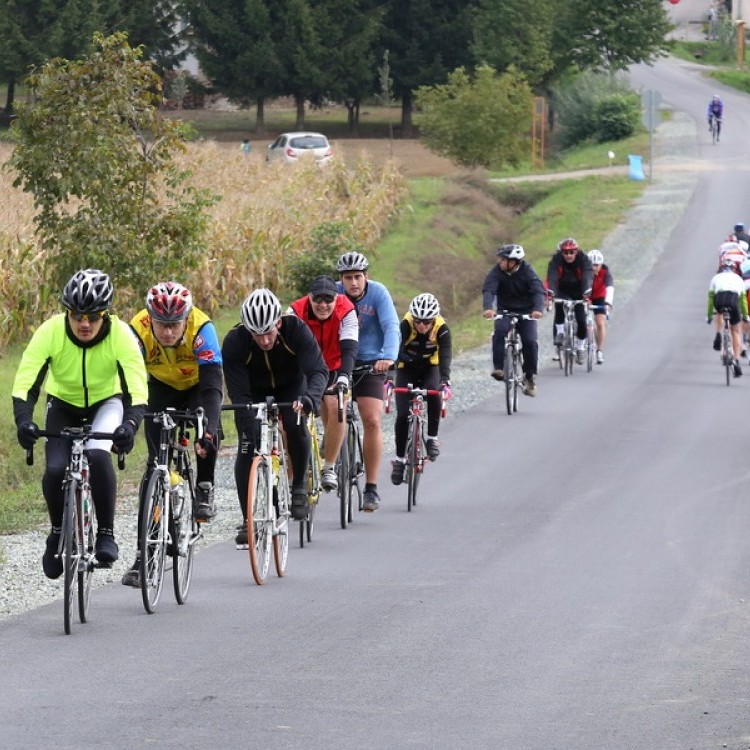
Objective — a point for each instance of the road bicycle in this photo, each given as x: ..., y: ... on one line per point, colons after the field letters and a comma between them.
x: 513, y: 359
x: 314, y: 481
x: 416, y: 440
x: 591, y: 345
x: 350, y: 465
x: 167, y: 525
x: 76, y: 546
x: 566, y: 349
x: 727, y: 352
x: 268, y: 492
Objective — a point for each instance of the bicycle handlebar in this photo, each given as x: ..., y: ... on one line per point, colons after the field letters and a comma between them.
x: 269, y: 403
x: 170, y: 417
x: 75, y: 433
x: 509, y: 314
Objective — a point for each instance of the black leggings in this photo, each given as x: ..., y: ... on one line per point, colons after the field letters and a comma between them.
x: 580, y: 313
x: 57, y: 455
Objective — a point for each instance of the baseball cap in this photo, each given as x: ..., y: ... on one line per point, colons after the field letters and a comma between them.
x: 323, y: 285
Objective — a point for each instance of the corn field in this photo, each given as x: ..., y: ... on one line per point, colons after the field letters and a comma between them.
x: 263, y: 220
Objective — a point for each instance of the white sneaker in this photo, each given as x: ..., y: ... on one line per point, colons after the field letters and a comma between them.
x: 329, y: 480
x: 599, y: 357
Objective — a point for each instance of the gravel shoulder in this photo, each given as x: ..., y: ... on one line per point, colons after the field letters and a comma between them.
x: 630, y: 249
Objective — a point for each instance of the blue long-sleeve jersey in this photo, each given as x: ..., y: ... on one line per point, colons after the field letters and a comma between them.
x: 379, y: 330
x: 715, y: 109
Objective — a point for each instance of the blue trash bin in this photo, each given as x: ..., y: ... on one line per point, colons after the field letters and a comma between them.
x: 635, y: 169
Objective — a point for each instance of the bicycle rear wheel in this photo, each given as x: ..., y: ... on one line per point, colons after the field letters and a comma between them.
x: 85, y: 535
x: 183, y: 530
x: 153, y: 540
x: 259, y: 519
x: 509, y: 377
x: 727, y: 356
x: 69, y: 553
x: 281, y: 524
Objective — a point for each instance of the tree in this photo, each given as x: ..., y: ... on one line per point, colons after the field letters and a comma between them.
x: 99, y: 160
x: 478, y: 121
x: 426, y: 40
x: 518, y: 33
x: 235, y: 42
x: 592, y: 35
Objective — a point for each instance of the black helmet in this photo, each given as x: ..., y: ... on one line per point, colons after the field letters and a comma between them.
x: 88, y: 291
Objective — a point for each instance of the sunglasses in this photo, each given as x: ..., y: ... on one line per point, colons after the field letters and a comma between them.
x: 322, y: 299
x: 90, y: 317
x: 569, y: 252
x: 422, y: 321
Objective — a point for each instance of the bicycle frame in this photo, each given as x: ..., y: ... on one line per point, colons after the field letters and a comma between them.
x: 566, y: 351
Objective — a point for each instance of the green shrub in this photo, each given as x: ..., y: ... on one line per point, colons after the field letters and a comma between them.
x: 595, y: 106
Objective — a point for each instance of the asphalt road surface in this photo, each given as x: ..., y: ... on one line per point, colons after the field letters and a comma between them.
x: 574, y: 577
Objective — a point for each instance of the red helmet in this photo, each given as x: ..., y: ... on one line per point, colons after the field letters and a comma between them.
x: 568, y: 244
x: 169, y: 302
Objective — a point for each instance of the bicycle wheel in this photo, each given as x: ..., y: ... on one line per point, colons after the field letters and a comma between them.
x: 281, y: 525
x: 345, y: 487
x: 568, y: 350
x: 509, y: 376
x: 153, y: 540
x: 85, y: 528
x: 356, y: 468
x: 517, y: 377
x: 590, y: 348
x: 183, y: 530
x: 259, y: 519
x: 69, y: 552
x: 413, y: 462
x: 727, y: 356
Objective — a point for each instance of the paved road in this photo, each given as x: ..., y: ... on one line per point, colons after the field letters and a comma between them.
x: 575, y: 578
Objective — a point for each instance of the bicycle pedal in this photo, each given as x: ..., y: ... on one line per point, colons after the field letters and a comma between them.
x: 103, y: 565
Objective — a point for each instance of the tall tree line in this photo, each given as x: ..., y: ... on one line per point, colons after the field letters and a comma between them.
x: 316, y: 50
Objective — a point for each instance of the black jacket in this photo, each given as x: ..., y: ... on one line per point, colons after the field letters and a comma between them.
x: 295, y: 359
x: 521, y: 291
x: 570, y: 280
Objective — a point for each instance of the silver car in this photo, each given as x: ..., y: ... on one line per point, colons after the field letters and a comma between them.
x: 291, y: 147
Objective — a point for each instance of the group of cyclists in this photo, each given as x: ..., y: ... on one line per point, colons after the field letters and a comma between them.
x: 728, y: 290
x: 514, y: 286
x: 106, y: 373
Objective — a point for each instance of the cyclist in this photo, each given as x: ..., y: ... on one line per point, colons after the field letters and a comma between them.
x: 270, y: 355
x: 333, y: 321
x: 602, y: 295
x: 741, y: 235
x: 183, y: 360
x: 728, y: 290
x: 95, y: 375
x: 424, y: 360
x: 715, y: 109
x: 569, y: 276
x: 513, y: 286
x: 378, y: 348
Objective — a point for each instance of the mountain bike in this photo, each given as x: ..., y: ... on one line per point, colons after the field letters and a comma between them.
x: 167, y: 525
x: 513, y: 359
x: 350, y: 465
x: 416, y: 441
x: 268, y: 493
x: 76, y: 546
x: 566, y: 349
x: 314, y: 481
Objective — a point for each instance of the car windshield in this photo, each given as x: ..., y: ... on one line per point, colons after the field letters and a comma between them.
x: 308, y: 141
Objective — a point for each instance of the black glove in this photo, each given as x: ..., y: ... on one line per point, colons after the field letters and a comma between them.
x: 28, y: 434
x: 209, y: 443
x: 124, y: 438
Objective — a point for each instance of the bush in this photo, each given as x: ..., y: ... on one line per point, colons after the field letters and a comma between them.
x: 595, y: 106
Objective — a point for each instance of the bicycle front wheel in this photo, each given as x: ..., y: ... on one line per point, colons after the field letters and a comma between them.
x: 85, y: 533
x: 259, y: 519
x: 69, y: 553
x: 345, y: 487
x: 413, y: 463
x: 590, y: 347
x: 281, y: 524
x: 153, y: 540
x: 510, y: 375
x: 183, y: 530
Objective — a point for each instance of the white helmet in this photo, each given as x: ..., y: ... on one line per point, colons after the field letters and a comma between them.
x: 352, y: 261
x: 424, y: 307
x: 596, y: 257
x: 261, y: 311
x: 511, y: 252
